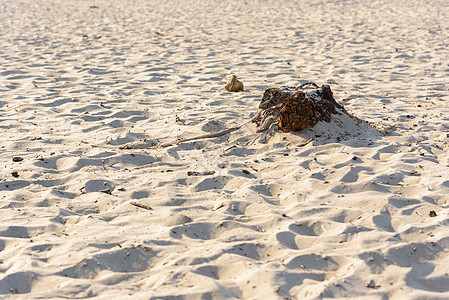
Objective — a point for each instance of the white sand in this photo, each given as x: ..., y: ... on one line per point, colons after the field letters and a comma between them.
x: 344, y: 216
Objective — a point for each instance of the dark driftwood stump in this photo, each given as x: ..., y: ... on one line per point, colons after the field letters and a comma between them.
x: 296, y: 108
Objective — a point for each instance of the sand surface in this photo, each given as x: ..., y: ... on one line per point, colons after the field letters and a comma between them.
x: 244, y: 216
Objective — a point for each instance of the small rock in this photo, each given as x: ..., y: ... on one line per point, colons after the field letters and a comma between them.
x: 234, y: 85
x: 246, y: 171
x: 106, y: 191
x: 179, y: 121
x: 432, y: 213
x: 17, y: 159
x: 372, y: 285
x: 15, y: 174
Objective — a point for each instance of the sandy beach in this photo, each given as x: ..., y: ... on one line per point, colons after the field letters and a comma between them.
x: 345, y: 209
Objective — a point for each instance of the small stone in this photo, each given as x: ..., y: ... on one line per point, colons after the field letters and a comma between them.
x: 432, y: 213
x: 15, y: 174
x: 234, y: 85
x: 106, y: 191
x: 17, y: 159
x: 372, y: 285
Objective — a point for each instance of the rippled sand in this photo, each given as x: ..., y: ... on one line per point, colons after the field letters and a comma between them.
x: 358, y: 212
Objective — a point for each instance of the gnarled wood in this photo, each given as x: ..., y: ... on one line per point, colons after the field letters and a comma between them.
x: 296, y: 108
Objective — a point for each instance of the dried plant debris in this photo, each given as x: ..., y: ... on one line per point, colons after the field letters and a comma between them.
x: 234, y: 85
x: 141, y: 205
x: 205, y: 173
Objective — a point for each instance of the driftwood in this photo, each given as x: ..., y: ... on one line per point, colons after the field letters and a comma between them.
x: 199, y: 137
x: 296, y: 108
x: 141, y: 205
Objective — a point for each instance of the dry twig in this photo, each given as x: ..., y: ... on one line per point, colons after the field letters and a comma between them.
x: 141, y: 205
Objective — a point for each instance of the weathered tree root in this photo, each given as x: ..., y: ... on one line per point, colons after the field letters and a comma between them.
x: 296, y: 108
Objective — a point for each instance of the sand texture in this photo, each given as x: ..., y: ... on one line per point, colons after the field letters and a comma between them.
x: 341, y: 210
